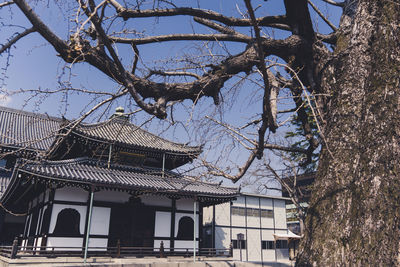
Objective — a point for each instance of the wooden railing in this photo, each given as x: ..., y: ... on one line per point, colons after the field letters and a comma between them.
x: 16, y: 251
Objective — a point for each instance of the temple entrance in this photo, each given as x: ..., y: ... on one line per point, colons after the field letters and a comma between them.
x: 133, y: 224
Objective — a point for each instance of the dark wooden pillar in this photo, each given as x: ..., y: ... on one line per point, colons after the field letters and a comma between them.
x: 172, y: 232
x: 213, y: 227
x: 200, y: 227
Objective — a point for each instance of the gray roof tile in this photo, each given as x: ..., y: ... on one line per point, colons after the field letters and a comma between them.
x: 122, y: 131
x: 21, y: 129
x: 27, y: 130
x: 97, y: 173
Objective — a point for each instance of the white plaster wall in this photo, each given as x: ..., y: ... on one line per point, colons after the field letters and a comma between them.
x: 70, y: 242
x: 282, y: 254
x: 111, y: 196
x: 71, y: 194
x: 178, y: 216
x: 157, y: 244
x: 236, y: 252
x: 268, y: 254
x: 266, y: 203
x: 100, y: 221
x: 38, y: 242
x: 222, y: 237
x: 58, y: 207
x: 239, y: 202
x: 280, y: 213
x: 254, y: 245
x: 185, y: 244
x: 207, y: 215
x: 186, y: 204
x: 163, y: 224
x: 222, y: 214
x: 267, y: 235
x: 97, y: 244
x: 238, y: 220
x: 156, y: 201
x: 252, y: 202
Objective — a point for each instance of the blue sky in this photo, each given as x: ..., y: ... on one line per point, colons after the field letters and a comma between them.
x: 34, y: 64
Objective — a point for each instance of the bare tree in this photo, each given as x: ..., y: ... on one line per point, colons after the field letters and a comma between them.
x: 349, y: 78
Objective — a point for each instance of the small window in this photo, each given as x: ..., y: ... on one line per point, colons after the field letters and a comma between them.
x: 3, y: 163
x: 281, y: 244
x: 267, y: 213
x: 185, y: 229
x: 267, y: 244
x: 237, y: 244
x: 68, y: 221
x: 254, y: 213
x: 238, y: 211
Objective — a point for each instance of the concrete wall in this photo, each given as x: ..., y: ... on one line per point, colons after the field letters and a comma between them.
x: 254, y: 228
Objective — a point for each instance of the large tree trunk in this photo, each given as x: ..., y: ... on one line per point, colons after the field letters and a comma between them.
x: 354, y: 214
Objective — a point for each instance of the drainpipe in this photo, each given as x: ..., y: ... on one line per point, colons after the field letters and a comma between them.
x: 88, y: 225
x: 194, y: 230
x: 163, y: 164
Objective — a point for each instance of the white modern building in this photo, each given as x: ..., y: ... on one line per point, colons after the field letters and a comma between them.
x: 258, y: 220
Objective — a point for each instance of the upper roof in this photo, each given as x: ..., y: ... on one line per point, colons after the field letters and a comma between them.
x: 21, y: 129
x: 96, y: 173
x: 121, y: 131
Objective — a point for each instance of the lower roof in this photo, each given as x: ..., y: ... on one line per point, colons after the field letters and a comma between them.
x: 94, y: 173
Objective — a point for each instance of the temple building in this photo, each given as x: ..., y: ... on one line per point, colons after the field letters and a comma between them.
x: 67, y: 185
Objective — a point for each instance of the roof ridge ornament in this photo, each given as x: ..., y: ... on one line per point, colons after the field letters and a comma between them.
x: 120, y: 114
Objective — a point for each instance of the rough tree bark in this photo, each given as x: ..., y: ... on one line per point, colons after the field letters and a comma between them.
x: 354, y: 215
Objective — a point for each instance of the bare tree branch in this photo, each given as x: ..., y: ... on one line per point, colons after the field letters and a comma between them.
x: 333, y: 27
x: 16, y: 38
x: 182, y: 37
x: 340, y: 4
x: 206, y: 14
x: 172, y: 73
x: 6, y: 3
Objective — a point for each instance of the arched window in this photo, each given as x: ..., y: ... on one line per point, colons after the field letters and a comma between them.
x: 185, y: 229
x: 67, y: 224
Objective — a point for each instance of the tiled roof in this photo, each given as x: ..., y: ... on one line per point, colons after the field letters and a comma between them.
x: 96, y: 173
x: 121, y: 131
x: 33, y: 131
x: 28, y: 130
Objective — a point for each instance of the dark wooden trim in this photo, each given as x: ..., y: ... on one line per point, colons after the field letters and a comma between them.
x: 245, y: 214
x: 213, y: 227
x: 50, y: 207
x: 78, y: 236
x: 187, y: 211
x: 249, y: 227
x: 86, y: 221
x: 230, y: 219
x: 259, y: 214
x: 108, y: 204
x: 64, y: 202
x: 172, y: 230
x: 200, y: 222
x: 273, y: 209
x: 173, y: 239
